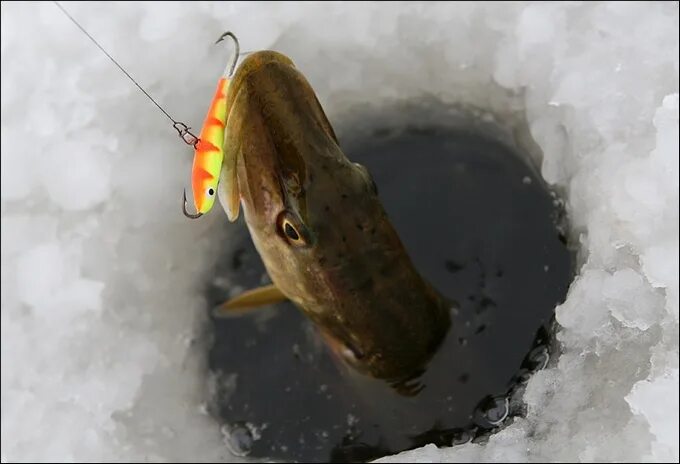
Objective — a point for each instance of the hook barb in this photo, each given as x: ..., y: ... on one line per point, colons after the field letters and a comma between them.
x: 184, y: 207
x: 236, y: 52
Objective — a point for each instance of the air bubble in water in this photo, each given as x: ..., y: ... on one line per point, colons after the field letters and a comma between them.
x: 492, y: 411
x: 239, y: 438
x: 537, y: 359
x: 460, y: 437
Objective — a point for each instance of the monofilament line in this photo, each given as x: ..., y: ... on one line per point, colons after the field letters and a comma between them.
x: 116, y: 63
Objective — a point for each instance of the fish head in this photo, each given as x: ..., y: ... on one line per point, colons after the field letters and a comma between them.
x: 302, y: 198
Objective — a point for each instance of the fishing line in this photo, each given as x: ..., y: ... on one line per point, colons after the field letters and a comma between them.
x: 181, y: 128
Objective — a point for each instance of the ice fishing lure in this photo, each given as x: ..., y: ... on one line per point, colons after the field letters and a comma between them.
x: 209, y: 152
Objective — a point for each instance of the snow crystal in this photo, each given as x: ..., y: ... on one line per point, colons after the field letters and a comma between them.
x: 102, y: 276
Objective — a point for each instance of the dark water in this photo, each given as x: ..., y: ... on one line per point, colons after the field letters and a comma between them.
x: 481, y: 226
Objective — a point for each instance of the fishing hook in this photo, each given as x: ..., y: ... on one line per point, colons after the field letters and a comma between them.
x: 184, y: 208
x: 183, y: 130
x: 236, y: 53
x: 180, y: 127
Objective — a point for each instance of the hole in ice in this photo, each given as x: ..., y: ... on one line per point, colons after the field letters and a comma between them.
x: 481, y: 226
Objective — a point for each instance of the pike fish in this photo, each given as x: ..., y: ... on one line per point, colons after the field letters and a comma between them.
x: 318, y: 224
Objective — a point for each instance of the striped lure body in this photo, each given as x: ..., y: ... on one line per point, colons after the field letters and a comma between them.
x: 209, y: 153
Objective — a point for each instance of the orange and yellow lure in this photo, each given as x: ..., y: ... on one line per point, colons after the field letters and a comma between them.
x: 209, y: 153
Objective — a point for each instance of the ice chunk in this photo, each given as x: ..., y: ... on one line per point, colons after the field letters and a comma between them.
x: 583, y: 313
x: 77, y: 175
x: 42, y: 272
x: 15, y: 159
x: 631, y: 300
x: 657, y: 402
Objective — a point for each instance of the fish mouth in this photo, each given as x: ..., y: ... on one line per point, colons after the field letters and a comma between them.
x: 239, y: 91
x: 251, y: 64
x: 275, y: 117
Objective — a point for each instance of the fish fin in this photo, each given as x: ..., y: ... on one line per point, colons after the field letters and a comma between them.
x: 228, y: 190
x: 251, y: 299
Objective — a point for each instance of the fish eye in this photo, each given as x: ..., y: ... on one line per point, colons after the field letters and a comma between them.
x: 210, y: 191
x: 291, y: 229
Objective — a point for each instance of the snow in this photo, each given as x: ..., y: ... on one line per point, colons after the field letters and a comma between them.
x: 101, y: 274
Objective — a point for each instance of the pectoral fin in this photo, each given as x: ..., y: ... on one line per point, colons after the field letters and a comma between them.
x: 251, y: 299
x: 228, y: 188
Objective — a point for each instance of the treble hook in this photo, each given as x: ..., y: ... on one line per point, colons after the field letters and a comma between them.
x: 184, y: 207
x: 236, y: 53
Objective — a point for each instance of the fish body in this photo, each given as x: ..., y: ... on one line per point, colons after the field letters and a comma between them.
x: 318, y: 224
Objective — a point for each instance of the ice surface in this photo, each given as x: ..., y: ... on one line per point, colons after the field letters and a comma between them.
x: 101, y: 274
